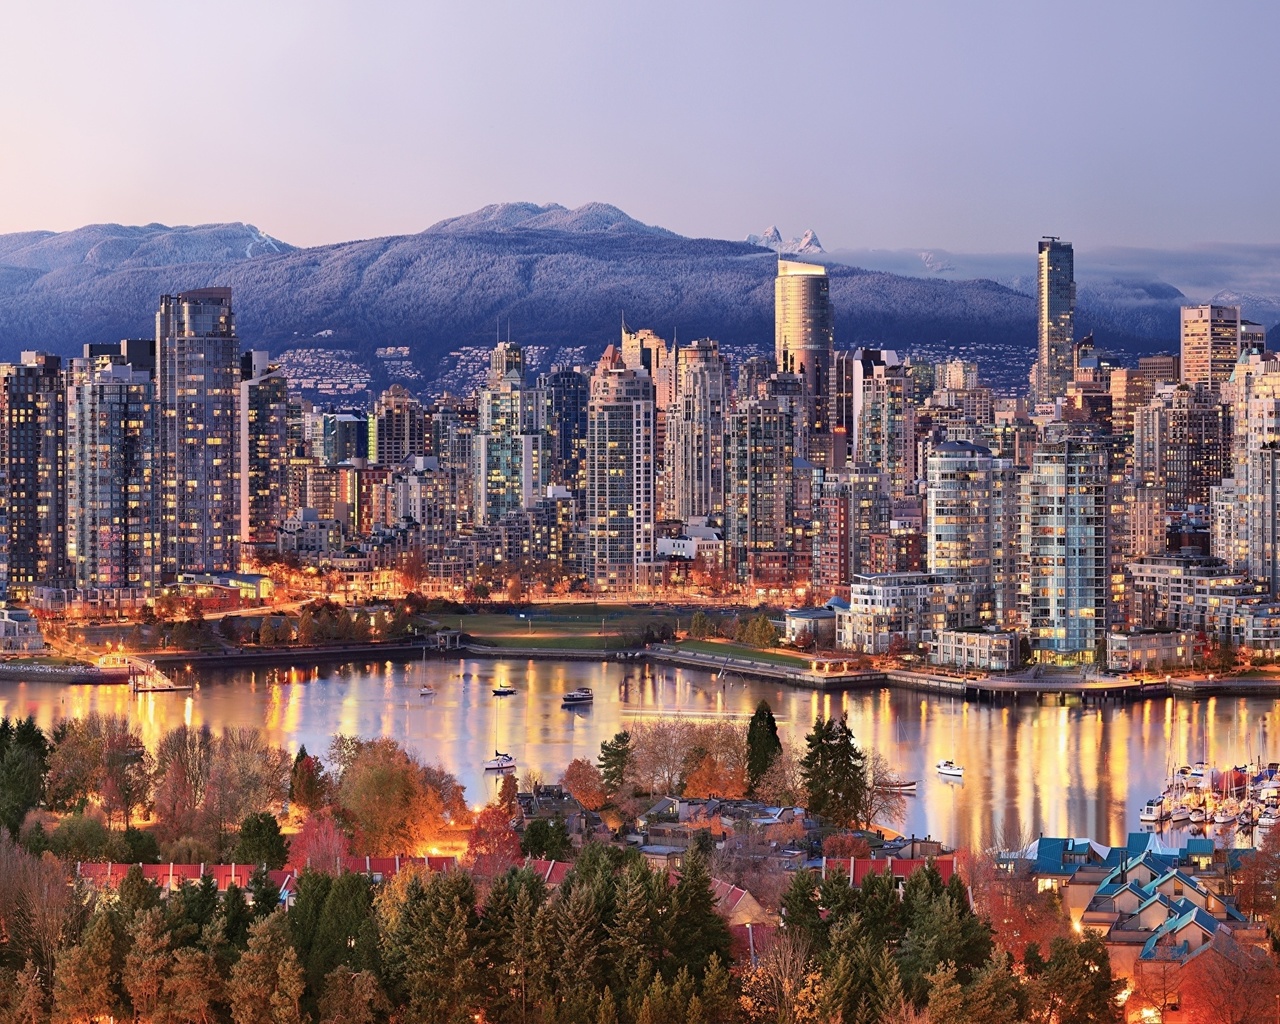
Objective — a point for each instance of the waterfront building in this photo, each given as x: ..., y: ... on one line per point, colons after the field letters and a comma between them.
x: 264, y: 451
x: 620, y: 507
x: 198, y: 386
x: 1056, y: 312
x: 568, y: 394
x: 1065, y: 578
x: 1150, y: 650
x: 1191, y: 591
x: 911, y: 605
x: 397, y: 427
x: 33, y: 482
x: 695, y: 431
x: 511, y: 452
x: 804, y: 337
x: 978, y: 648
x: 112, y: 511
x: 1181, y: 444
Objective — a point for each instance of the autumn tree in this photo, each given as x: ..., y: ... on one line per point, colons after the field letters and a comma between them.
x: 320, y: 844
x: 585, y: 783
x: 492, y: 837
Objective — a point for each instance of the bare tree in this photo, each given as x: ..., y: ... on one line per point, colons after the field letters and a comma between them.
x: 885, y: 802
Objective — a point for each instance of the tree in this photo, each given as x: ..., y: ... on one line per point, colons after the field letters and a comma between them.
x: 193, y: 986
x: 1075, y: 985
x: 615, y: 761
x: 308, y: 632
x: 696, y: 932
x: 585, y: 783
x: 352, y: 997
x: 782, y: 783
x: 392, y: 802
x: 763, y: 744
x: 800, y: 909
x: 266, y: 636
x: 546, y: 839
x: 429, y: 955
x: 21, y: 783
x: 758, y: 631
x: 321, y: 845
x: 260, y: 842
x: 308, y: 781
x: 834, y: 774
x: 493, y: 838
x: 147, y: 965
x: 183, y: 758
x: 885, y: 803
x: 83, y: 979
x: 846, y: 844
x: 266, y: 982
x: 701, y: 626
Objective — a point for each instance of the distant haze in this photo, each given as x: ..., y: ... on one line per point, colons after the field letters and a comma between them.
x: 969, y: 127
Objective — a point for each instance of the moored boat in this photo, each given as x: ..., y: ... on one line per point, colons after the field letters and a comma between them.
x: 1153, y: 811
x: 500, y: 762
x: 504, y: 691
x: 582, y: 695
x: 951, y: 769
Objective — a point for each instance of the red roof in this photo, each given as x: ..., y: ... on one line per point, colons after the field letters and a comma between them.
x: 173, y: 876
x: 748, y: 941
x: 900, y: 867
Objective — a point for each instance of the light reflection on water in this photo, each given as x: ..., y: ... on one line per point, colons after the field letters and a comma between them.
x: 1030, y: 768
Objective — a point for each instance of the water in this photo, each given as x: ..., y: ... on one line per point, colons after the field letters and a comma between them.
x: 1030, y: 768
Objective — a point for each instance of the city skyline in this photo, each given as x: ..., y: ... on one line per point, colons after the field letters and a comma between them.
x: 362, y: 135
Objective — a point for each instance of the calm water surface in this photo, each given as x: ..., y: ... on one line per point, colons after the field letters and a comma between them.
x: 1031, y: 768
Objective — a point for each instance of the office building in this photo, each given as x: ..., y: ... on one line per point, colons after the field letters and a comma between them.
x: 198, y: 385
x: 33, y: 483
x: 620, y: 506
x: 1056, y: 313
x: 1213, y: 337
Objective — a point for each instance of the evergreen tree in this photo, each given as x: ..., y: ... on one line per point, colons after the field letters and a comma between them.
x: 266, y: 982
x: 800, y: 910
x: 352, y: 997
x: 615, y: 760
x: 261, y: 843
x: 632, y: 948
x: 429, y: 953
x: 717, y: 990
x: 608, y: 1010
x: 763, y: 744
x: 345, y: 934
x: 946, y: 997
x: 834, y: 773
x: 546, y: 839
x: 83, y: 980
x: 193, y: 986
x: 146, y: 967
x: 264, y: 893
x: 696, y: 932
x: 29, y: 1005
x: 304, y: 916
x: 995, y: 996
x: 578, y: 971
x: 136, y: 895
x: 236, y: 917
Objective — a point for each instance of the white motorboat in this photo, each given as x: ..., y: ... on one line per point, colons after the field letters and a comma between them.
x: 426, y: 691
x: 951, y: 769
x: 1269, y: 817
x: 582, y: 695
x: 1153, y: 811
x: 504, y: 691
x: 500, y: 762
x: 1180, y: 814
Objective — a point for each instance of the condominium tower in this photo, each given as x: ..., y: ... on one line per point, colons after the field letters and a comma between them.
x: 1056, y: 311
x: 804, y: 335
x: 695, y: 430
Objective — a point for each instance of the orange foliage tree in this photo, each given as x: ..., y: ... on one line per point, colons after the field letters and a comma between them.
x: 493, y: 837
x: 584, y: 783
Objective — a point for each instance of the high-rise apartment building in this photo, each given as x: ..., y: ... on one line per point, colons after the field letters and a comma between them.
x: 1213, y: 337
x: 621, y: 503
x: 804, y: 339
x: 1065, y: 577
x: 397, y: 427
x: 33, y: 483
x: 263, y: 437
x: 113, y: 535
x: 568, y: 394
x: 695, y: 430
x: 759, y: 498
x: 1181, y: 444
x: 886, y: 438
x: 1056, y: 312
x: 198, y: 385
x: 511, y: 451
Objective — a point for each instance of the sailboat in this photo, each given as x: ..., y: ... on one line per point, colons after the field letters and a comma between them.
x: 426, y: 689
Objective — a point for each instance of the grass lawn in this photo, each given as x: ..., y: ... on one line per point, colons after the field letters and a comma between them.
x: 569, y: 627
x: 732, y: 650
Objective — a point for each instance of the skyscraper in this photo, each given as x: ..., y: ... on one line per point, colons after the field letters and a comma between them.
x: 198, y: 381
x: 759, y: 499
x: 568, y: 394
x: 511, y: 451
x: 113, y: 536
x: 264, y: 450
x: 620, y: 475
x: 804, y: 338
x: 886, y: 435
x: 33, y: 483
x: 1065, y: 579
x: 1212, y: 339
x: 1056, y: 306
x: 1180, y: 444
x: 397, y: 427
x: 695, y: 430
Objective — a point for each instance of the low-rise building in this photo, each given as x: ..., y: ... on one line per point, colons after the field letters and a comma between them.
x: 816, y: 626
x: 913, y: 605
x: 986, y: 648
x: 1150, y: 650
x: 19, y: 630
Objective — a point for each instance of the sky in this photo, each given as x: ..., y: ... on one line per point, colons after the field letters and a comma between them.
x: 972, y: 126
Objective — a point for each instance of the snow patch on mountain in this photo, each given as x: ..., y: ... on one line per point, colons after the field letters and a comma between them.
x: 806, y: 245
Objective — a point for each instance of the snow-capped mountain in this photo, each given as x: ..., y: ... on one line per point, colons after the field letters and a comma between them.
x: 806, y: 245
